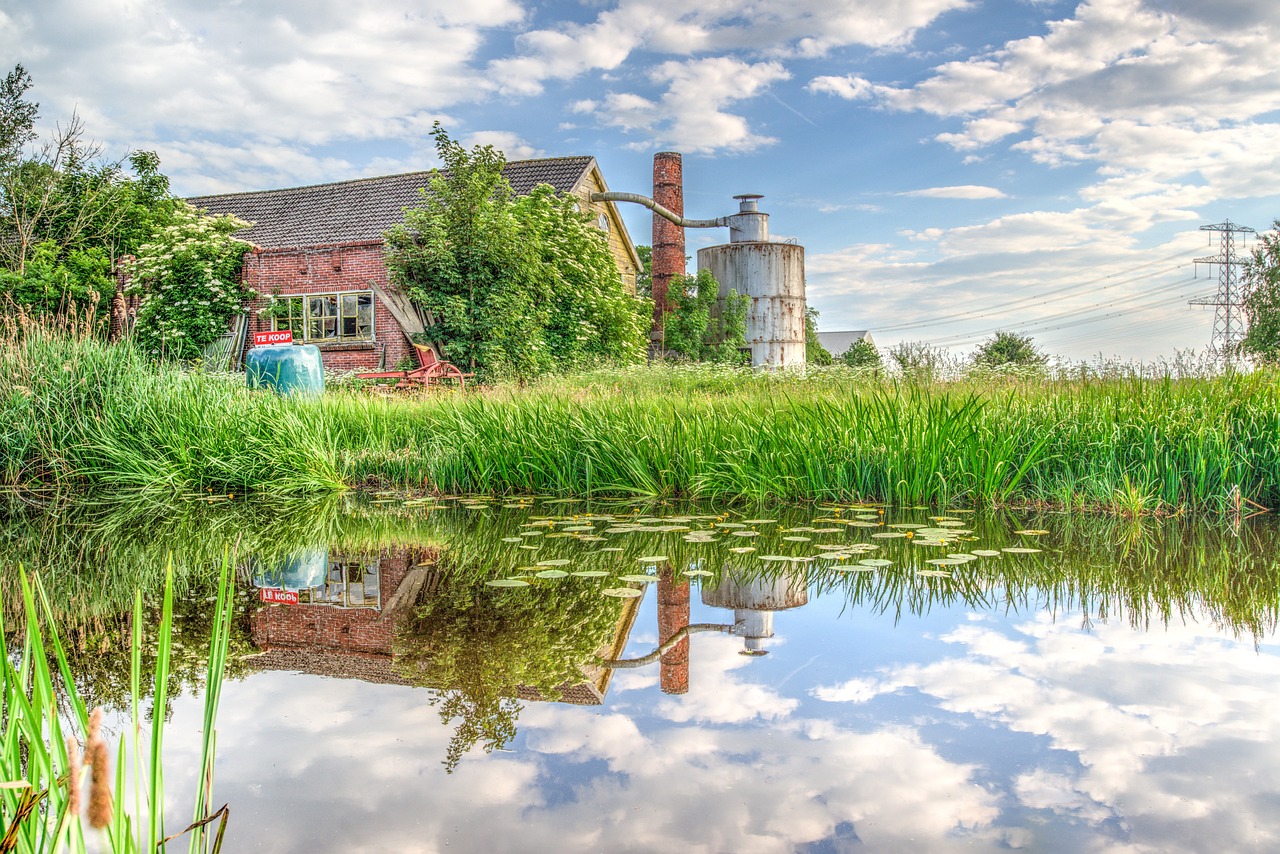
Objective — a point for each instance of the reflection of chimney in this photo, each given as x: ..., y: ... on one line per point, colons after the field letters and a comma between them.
x: 667, y: 259
x: 673, y: 616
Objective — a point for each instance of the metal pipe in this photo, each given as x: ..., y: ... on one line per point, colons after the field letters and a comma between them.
x: 636, y: 198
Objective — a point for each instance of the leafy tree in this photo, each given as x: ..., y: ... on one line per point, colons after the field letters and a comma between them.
x: 514, y: 286
x: 701, y: 325
x: 1009, y: 348
x: 863, y: 354
x: 189, y: 279
x: 644, y: 278
x: 1262, y: 300
x: 814, y: 352
x: 66, y: 213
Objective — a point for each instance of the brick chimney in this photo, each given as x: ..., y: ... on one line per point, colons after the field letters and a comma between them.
x: 673, y: 616
x: 668, y: 238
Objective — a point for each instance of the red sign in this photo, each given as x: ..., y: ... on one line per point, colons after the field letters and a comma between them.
x: 284, y: 336
x: 278, y: 597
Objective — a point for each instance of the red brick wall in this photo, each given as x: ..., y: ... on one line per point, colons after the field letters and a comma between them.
x: 327, y: 269
x: 361, y: 630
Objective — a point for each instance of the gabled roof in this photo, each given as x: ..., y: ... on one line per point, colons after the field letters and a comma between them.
x: 838, y: 343
x: 364, y: 209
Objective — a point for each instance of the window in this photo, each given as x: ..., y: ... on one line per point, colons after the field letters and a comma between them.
x: 326, y: 317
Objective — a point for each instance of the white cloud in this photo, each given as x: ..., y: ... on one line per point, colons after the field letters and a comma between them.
x: 964, y: 191
x: 690, y: 115
x: 508, y: 142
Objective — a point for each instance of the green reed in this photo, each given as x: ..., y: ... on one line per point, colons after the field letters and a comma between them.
x: 80, y: 412
x: 45, y: 784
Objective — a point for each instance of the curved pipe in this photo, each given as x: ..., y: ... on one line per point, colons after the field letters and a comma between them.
x: 625, y: 663
x: 636, y: 198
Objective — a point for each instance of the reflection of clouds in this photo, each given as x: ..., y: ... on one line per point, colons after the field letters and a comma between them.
x: 720, y: 697
x: 1145, y: 714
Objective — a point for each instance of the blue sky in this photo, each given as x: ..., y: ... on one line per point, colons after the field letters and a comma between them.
x: 951, y: 166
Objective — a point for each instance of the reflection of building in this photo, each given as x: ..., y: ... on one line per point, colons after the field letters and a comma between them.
x: 339, y: 626
x: 754, y: 600
x: 344, y: 624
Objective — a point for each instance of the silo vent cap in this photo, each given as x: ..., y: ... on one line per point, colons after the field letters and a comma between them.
x: 747, y: 202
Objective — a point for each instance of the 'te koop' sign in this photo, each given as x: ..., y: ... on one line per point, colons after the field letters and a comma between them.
x: 283, y: 336
x: 279, y: 597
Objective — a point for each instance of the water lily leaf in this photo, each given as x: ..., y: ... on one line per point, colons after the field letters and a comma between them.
x: 933, y: 573
x: 1021, y: 550
x: 507, y: 582
x: 742, y: 549
x: 512, y: 540
x: 589, y: 573
x: 746, y: 533
x: 552, y: 573
x: 888, y: 535
x: 905, y: 525
x: 653, y: 559
x: 758, y: 521
x: 556, y: 562
x: 1032, y: 532
x: 730, y: 524
x: 964, y: 556
x: 774, y: 558
x: 987, y: 552
x: 622, y: 592
x: 639, y: 579
x: 698, y: 573
x: 798, y: 539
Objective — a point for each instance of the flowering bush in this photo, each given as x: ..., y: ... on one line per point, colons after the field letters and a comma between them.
x: 189, y: 279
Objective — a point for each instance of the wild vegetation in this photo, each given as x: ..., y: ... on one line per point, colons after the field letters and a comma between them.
x: 78, y: 412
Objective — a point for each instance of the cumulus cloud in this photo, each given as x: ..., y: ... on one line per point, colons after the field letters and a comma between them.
x: 508, y: 142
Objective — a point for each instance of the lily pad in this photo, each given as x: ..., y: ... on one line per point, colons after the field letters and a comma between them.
x: 746, y: 533
x: 933, y: 573
x: 1021, y: 550
x: 653, y: 559
x: 1032, y: 532
x: 742, y: 549
x: 589, y: 573
x: 987, y: 552
x: 507, y: 582
x: 875, y: 561
x: 698, y: 573
x: 639, y: 579
x: 622, y: 592
x: 552, y: 573
x: 512, y: 540
x: 888, y: 535
x: 556, y: 562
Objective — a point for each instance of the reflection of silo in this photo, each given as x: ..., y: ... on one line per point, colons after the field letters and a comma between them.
x: 673, y: 617
x: 772, y: 275
x: 754, y: 599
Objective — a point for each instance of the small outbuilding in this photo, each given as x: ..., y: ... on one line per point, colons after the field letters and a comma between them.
x: 318, y: 250
x: 838, y: 343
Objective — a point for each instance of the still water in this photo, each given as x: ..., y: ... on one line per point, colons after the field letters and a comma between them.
x: 475, y: 675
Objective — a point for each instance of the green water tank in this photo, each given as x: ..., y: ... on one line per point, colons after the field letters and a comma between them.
x: 286, y: 368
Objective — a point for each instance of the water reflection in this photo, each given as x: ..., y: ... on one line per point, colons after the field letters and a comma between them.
x: 1094, y: 694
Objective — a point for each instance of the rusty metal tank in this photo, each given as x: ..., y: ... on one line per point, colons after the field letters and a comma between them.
x: 754, y: 598
x: 772, y: 275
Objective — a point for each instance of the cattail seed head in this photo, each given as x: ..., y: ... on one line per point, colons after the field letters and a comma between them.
x: 73, y: 777
x: 99, y: 784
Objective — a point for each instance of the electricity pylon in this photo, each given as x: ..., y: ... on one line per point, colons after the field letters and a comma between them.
x: 1229, y: 324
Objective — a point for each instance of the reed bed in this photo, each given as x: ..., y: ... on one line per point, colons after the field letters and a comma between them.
x: 74, y: 411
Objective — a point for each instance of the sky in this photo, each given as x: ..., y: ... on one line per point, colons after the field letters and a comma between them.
x: 952, y: 167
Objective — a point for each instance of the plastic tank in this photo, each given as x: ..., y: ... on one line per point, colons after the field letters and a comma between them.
x: 285, y: 368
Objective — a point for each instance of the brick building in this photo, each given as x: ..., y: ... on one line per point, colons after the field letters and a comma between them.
x: 319, y: 251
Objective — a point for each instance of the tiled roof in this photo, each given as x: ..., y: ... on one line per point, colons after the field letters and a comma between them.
x: 363, y: 209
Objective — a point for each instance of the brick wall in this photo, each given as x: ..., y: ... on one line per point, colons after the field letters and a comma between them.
x: 328, y: 269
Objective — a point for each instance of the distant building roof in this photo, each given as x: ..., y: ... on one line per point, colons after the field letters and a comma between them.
x: 838, y: 343
x: 364, y: 209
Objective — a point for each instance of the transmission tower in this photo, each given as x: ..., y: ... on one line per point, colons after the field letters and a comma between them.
x: 1228, y: 321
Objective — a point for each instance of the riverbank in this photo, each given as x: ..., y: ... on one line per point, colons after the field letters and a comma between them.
x: 76, y: 412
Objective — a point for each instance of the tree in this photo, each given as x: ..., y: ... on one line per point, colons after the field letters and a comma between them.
x: 514, y: 286
x: 701, y: 325
x: 1262, y: 300
x: 1009, y: 348
x: 863, y: 354
x: 918, y: 360
x: 644, y: 278
x: 814, y: 352
x: 17, y: 115
x: 189, y: 280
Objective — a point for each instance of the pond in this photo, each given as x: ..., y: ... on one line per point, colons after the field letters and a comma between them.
x: 479, y: 674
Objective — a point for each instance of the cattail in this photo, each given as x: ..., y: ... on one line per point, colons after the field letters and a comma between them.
x: 73, y: 777
x: 100, y: 776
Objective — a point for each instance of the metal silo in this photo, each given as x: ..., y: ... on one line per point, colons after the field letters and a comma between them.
x: 772, y: 275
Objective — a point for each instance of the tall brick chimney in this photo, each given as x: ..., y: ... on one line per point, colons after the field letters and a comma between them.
x: 673, y: 616
x: 668, y: 238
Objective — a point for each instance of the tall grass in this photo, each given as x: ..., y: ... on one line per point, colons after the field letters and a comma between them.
x: 45, y: 784
x: 77, y: 411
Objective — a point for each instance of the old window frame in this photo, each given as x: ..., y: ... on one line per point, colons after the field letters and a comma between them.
x: 331, y: 317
